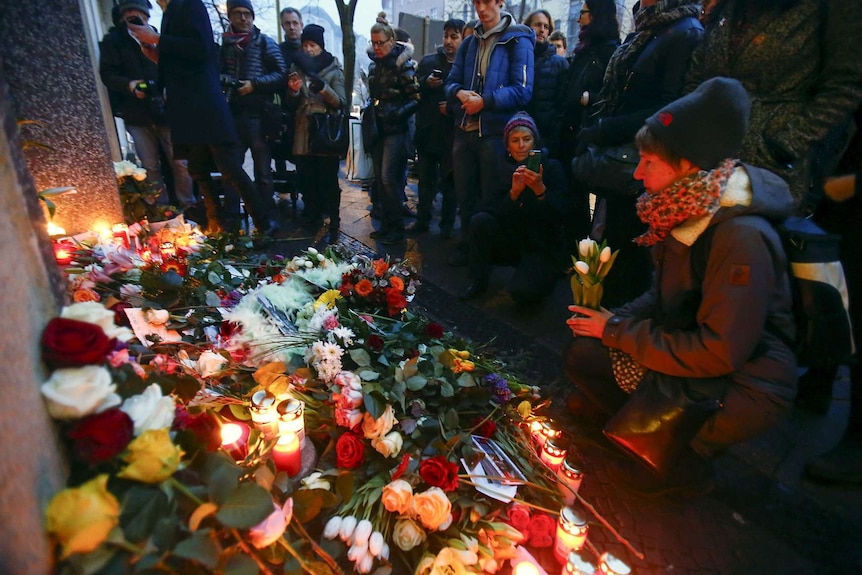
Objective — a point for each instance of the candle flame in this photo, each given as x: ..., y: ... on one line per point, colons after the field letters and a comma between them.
x: 55, y: 230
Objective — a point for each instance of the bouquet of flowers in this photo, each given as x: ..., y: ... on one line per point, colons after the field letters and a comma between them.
x: 592, y: 264
x: 138, y: 196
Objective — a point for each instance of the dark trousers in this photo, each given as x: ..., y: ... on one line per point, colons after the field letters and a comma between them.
x: 250, y: 137
x: 318, y: 180
x: 745, y: 413
x: 224, y: 156
x: 476, y: 163
x: 431, y: 177
x: 390, y: 155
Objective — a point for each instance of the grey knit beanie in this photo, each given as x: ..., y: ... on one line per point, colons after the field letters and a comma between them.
x: 139, y: 5
x: 707, y: 125
x: 234, y: 4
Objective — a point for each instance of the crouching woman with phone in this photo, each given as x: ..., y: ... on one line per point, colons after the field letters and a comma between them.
x: 521, y: 226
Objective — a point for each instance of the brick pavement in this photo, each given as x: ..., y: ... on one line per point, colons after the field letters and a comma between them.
x: 762, y: 517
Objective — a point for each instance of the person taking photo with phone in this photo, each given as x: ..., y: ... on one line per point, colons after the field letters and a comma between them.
x: 521, y: 225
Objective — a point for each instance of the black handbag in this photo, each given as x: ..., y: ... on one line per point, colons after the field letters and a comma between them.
x: 271, y: 121
x: 370, y: 131
x: 328, y: 134
x: 660, y: 419
x: 608, y: 171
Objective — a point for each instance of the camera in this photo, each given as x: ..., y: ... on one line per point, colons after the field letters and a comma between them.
x: 437, y: 74
x: 148, y: 87
x: 229, y: 86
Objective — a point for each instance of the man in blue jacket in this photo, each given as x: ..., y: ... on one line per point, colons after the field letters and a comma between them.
x: 491, y: 79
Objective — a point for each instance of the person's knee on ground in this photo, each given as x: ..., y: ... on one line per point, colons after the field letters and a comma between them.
x: 587, y: 366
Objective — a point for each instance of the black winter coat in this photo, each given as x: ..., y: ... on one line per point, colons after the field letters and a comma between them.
x: 434, y: 132
x: 188, y: 69
x: 261, y: 62
x: 393, y: 89
x: 549, y: 83
x: 120, y: 62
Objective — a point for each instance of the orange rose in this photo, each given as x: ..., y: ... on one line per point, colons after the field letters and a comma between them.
x: 85, y: 294
x: 380, y: 267
x: 397, y: 283
x: 364, y: 287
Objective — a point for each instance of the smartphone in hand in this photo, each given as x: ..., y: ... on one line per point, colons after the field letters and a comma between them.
x: 534, y: 160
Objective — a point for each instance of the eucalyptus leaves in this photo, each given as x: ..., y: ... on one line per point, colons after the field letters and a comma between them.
x: 592, y: 264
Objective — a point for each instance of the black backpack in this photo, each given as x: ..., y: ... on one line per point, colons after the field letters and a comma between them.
x: 820, y: 301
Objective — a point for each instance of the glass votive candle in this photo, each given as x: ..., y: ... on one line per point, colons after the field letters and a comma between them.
x: 553, y: 454
x: 569, y: 479
x: 571, y: 533
x: 575, y: 565
x: 234, y: 440
x: 291, y: 418
x: 545, y: 430
x: 263, y: 413
x: 287, y: 455
x: 611, y: 565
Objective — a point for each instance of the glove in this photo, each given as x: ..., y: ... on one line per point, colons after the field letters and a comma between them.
x: 316, y: 84
x: 587, y: 136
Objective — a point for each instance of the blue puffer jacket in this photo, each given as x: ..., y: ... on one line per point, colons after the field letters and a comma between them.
x: 549, y: 92
x: 508, y: 83
x: 261, y: 62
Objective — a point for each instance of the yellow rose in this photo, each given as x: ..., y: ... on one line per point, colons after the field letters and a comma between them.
x: 390, y: 445
x: 375, y: 428
x: 425, y: 565
x: 397, y: 497
x: 407, y: 534
x: 152, y: 457
x: 448, y: 562
x: 432, y: 507
x: 80, y: 519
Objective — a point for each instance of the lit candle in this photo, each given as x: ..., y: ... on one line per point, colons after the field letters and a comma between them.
x: 545, y: 430
x: 575, y: 565
x: 569, y: 479
x: 571, y: 533
x: 291, y: 418
x: 234, y: 439
x: 525, y: 568
x: 55, y: 231
x: 121, y: 234
x: 286, y: 454
x: 552, y: 454
x: 263, y: 413
x: 611, y: 565
x: 64, y: 252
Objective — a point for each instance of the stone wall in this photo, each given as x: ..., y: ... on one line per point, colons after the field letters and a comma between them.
x: 30, y: 467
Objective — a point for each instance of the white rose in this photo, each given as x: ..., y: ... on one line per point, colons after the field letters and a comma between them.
x: 407, y: 534
x: 388, y: 446
x: 315, y: 481
x: 94, y: 312
x: 210, y: 363
x: 270, y: 529
x: 157, y: 316
x: 75, y: 392
x: 150, y: 409
x: 349, y: 380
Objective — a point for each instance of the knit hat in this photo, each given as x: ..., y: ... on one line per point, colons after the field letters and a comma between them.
x: 707, y: 125
x: 234, y: 4
x: 140, y: 5
x: 313, y: 33
x: 520, y: 120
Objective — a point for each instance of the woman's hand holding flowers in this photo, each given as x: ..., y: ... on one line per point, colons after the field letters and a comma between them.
x: 588, y: 322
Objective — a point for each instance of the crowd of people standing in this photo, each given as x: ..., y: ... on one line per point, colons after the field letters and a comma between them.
x: 720, y: 111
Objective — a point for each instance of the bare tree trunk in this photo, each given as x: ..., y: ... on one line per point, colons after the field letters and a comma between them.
x: 346, y: 14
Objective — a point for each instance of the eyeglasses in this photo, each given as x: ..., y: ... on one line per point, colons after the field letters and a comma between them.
x: 585, y: 11
x: 242, y: 14
x: 381, y: 43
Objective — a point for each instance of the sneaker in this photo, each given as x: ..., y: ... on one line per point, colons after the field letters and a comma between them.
x: 392, y: 238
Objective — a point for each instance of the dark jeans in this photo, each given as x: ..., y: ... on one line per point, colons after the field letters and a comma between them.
x: 390, y: 174
x: 476, y: 163
x: 431, y: 172
x: 318, y: 177
x: 250, y: 137
x: 224, y: 156
x: 745, y: 412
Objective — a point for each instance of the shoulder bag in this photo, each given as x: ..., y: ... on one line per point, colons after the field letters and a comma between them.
x: 608, y: 171
x: 328, y: 134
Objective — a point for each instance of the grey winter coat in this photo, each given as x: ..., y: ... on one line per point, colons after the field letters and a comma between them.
x: 331, y: 99
x: 802, y: 69
x: 745, y: 288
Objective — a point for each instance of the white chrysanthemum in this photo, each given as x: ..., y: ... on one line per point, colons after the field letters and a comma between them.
x: 345, y: 334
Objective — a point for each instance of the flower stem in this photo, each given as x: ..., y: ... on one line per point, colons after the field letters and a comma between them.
x: 297, y: 526
x: 185, y: 491
x: 261, y: 565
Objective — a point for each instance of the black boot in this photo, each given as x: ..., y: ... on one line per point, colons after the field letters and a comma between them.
x: 691, y: 475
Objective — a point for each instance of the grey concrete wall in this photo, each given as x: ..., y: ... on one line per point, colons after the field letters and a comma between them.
x: 48, y: 65
x: 30, y: 467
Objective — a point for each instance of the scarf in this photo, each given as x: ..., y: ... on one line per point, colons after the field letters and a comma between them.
x: 237, y: 40
x: 693, y: 196
x: 313, y: 64
x: 647, y: 21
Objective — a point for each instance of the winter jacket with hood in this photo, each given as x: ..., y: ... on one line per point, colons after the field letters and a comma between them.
x: 507, y: 85
x: 732, y: 326
x: 331, y: 99
x: 393, y: 88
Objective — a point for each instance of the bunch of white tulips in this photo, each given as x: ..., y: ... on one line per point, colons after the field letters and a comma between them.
x: 365, y: 544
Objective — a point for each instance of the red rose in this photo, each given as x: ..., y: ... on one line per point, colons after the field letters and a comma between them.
x: 395, y: 301
x: 439, y: 472
x: 541, y: 530
x: 119, y: 309
x: 434, y: 330
x: 519, y: 517
x: 375, y: 342
x: 402, y: 467
x: 73, y: 343
x: 100, y: 437
x: 349, y: 451
x: 487, y: 429
x: 203, y: 426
